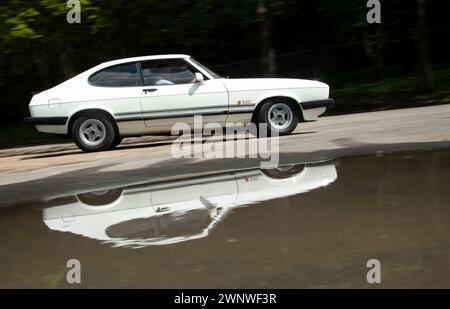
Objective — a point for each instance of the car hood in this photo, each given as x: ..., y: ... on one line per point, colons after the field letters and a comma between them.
x: 242, y: 84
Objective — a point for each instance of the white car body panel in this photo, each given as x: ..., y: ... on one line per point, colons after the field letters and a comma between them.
x: 212, y: 95
x: 135, y: 112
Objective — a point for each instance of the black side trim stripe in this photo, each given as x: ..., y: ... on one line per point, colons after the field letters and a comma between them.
x: 186, y: 115
x: 182, y: 115
x: 46, y: 120
x: 241, y: 111
x: 224, y: 107
x: 129, y: 119
x: 328, y: 103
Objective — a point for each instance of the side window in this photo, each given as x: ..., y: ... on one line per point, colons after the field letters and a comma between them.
x: 167, y: 72
x: 122, y: 75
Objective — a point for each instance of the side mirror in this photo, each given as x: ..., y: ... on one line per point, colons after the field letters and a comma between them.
x: 199, y: 78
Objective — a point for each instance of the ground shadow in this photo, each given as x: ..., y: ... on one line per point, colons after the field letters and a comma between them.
x: 60, y: 153
x: 137, y: 145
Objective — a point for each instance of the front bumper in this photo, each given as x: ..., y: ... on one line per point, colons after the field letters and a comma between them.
x: 42, y: 121
x: 328, y: 104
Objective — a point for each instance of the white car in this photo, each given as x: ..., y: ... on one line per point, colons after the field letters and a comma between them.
x: 145, y: 95
x: 169, y: 212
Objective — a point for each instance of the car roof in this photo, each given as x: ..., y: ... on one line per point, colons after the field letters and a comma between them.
x: 104, y: 65
x: 143, y: 58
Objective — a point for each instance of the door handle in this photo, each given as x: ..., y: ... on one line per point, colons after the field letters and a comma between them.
x: 149, y: 90
x: 162, y: 209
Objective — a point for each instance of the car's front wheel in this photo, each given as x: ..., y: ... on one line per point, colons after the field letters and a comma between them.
x: 93, y: 133
x: 117, y: 140
x: 280, y: 117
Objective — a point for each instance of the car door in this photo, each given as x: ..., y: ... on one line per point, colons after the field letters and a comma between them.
x: 199, y: 192
x: 188, y: 206
x: 171, y: 95
x: 117, y: 87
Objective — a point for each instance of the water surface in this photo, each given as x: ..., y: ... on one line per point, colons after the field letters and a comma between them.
x: 301, y: 226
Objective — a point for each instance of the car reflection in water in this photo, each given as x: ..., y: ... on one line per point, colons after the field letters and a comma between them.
x: 170, y: 212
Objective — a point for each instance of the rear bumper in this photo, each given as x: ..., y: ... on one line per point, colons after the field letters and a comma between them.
x: 43, y: 121
x: 328, y: 104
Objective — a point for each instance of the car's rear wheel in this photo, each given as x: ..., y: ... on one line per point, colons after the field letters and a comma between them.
x: 280, y: 117
x: 94, y: 132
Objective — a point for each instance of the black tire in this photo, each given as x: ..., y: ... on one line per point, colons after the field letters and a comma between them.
x: 116, y: 141
x: 100, y: 198
x: 263, y: 117
x: 284, y: 172
x: 109, y: 132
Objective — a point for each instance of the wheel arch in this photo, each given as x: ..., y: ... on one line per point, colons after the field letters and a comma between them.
x: 280, y: 98
x: 90, y: 111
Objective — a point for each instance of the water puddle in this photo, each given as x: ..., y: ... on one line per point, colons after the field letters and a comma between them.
x: 294, y: 226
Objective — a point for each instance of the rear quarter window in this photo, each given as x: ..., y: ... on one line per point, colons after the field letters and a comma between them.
x: 122, y: 75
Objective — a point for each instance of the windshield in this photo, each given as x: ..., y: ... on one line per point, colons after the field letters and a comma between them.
x: 212, y: 73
